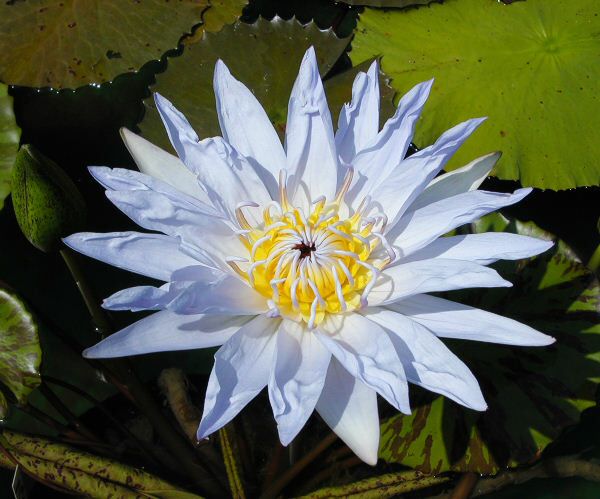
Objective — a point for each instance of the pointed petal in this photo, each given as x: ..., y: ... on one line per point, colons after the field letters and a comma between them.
x: 138, y: 298
x: 427, y: 361
x: 358, y: 123
x: 385, y: 152
x: 349, y: 407
x: 397, y: 192
x: 152, y: 160
x: 165, y: 331
x: 448, y: 319
x: 246, y: 126
x: 121, y: 179
x: 241, y: 371
x: 152, y: 255
x: 367, y: 353
x: 221, y: 170
x: 425, y: 276
x: 464, y: 179
x: 228, y: 177
x: 483, y: 248
x: 310, y: 146
x: 206, y: 238
x: 417, y: 228
x: 297, y: 378
x: 226, y: 295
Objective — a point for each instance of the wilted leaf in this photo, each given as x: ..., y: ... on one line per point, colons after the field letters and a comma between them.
x: 20, y: 353
x: 379, y: 487
x: 532, y: 393
x: 272, y: 54
x: 9, y: 141
x: 67, y: 43
x: 532, y: 67
x: 82, y: 473
x: 47, y: 204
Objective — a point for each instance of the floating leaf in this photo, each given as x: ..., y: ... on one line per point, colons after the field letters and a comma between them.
x: 20, y: 353
x: 47, y: 204
x: 67, y: 43
x: 220, y: 13
x: 9, y: 141
x: 532, y: 393
x: 398, y: 4
x: 82, y: 473
x: 274, y: 50
x: 533, y: 67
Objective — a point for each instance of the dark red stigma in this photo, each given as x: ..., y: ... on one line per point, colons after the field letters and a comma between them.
x: 305, y: 249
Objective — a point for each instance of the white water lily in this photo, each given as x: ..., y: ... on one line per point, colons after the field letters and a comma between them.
x: 309, y: 263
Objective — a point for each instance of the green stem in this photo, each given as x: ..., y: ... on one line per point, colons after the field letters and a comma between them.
x: 232, y: 466
x: 123, y: 371
x: 594, y: 262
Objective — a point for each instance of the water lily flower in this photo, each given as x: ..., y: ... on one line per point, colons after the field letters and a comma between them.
x: 309, y: 264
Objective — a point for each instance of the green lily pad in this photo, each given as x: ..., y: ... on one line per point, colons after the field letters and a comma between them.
x: 272, y: 54
x: 47, y: 204
x: 9, y: 141
x: 67, y: 43
x: 532, y: 393
x: 20, y: 353
x: 388, y: 4
x: 220, y: 13
x: 533, y: 67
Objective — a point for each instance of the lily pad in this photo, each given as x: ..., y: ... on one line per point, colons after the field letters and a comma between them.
x: 9, y: 141
x: 220, y: 13
x: 398, y: 4
x: 67, y: 43
x: 273, y: 51
x: 20, y: 353
x: 532, y: 393
x: 533, y: 67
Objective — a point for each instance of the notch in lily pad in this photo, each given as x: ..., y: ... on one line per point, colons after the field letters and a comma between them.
x: 47, y: 204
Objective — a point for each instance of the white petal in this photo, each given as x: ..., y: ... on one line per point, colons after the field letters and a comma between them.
x: 138, y: 298
x: 310, y: 146
x: 367, y: 353
x: 226, y: 175
x: 464, y: 179
x: 153, y: 161
x: 221, y: 170
x: 246, y: 126
x: 206, y: 238
x: 297, y: 378
x: 152, y: 255
x: 399, y: 189
x: 165, y: 331
x: 427, y: 361
x: 241, y: 371
x: 385, y: 152
x: 425, y: 276
x: 120, y: 179
x: 417, y: 228
x: 358, y: 123
x: 153, y: 298
x: 482, y: 248
x: 227, y: 295
x: 349, y: 407
x: 449, y: 319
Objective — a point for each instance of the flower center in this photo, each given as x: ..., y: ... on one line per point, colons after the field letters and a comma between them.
x: 311, y: 264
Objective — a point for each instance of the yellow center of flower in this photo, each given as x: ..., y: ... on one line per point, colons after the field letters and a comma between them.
x: 311, y: 264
